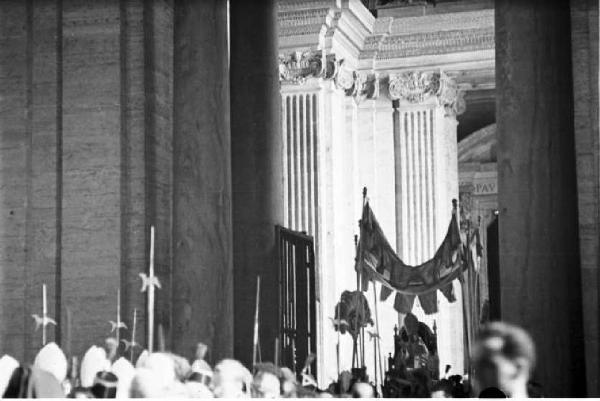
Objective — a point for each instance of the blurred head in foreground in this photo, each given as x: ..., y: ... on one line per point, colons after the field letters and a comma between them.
x: 266, y: 382
x: 231, y: 380
x: 503, y: 358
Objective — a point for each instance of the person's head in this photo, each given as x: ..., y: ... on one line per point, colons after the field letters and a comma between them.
x: 145, y: 384
x: 181, y: 366
x: 231, y: 380
x: 344, y: 381
x: 442, y: 389
x: 266, y: 382
x: 52, y: 360
x: 201, y: 349
x: 289, y: 384
x: 362, y: 390
x: 503, y: 358
x: 105, y: 385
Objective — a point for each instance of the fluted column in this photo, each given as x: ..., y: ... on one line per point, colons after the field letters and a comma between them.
x: 321, y: 100
x: 426, y: 179
x: 257, y: 163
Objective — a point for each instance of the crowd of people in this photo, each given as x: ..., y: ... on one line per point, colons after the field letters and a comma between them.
x: 503, y: 359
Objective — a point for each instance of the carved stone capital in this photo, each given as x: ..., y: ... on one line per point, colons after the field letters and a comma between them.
x: 418, y: 86
x: 299, y: 66
x: 358, y: 84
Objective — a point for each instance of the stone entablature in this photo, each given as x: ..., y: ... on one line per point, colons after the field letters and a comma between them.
x: 352, y: 31
x: 375, y: 51
x: 409, y: 86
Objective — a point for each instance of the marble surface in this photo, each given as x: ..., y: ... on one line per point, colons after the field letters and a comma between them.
x: 537, y: 194
x: 257, y: 170
x: 202, y: 244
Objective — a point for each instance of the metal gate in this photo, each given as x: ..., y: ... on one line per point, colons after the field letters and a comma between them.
x: 297, y: 300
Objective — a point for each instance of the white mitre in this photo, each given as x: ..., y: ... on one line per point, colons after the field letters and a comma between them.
x: 125, y: 372
x: 8, y: 364
x: 142, y: 359
x: 93, y: 361
x: 52, y: 360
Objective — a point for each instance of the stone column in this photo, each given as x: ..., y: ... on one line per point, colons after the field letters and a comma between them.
x: 202, y: 229
x: 301, y: 136
x: 540, y: 276
x: 584, y: 39
x: 15, y: 163
x: 257, y: 165
x: 426, y: 182
x: 90, y: 168
x: 340, y: 157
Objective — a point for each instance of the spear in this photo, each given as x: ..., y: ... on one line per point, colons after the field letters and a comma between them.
x: 131, y: 345
x: 255, y: 343
x: 44, y: 320
x: 118, y: 325
x: 44, y: 314
x: 151, y: 294
x: 133, y: 334
x: 69, y: 323
x: 118, y: 315
x: 148, y: 283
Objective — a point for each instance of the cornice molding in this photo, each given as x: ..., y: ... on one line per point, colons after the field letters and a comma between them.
x: 429, y: 43
x: 464, y: 40
x: 386, y: 38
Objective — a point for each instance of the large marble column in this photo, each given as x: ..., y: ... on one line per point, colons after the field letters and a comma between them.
x: 426, y: 181
x: 584, y: 39
x: 329, y: 157
x: 91, y: 155
x: 202, y: 245
x: 257, y: 165
x: 540, y: 276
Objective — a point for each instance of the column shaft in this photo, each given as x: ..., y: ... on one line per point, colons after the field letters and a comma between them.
x: 202, y: 245
x: 537, y: 194
x: 257, y: 168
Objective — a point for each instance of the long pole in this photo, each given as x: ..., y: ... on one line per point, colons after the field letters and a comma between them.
x: 161, y: 338
x: 44, y: 314
x: 151, y: 294
x: 255, y: 343
x: 377, y: 339
x: 276, y: 359
x: 69, y: 323
x: 118, y: 316
x: 338, y: 318
x: 133, y: 335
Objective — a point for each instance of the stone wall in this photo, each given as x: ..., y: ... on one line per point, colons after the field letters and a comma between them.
x: 87, y: 165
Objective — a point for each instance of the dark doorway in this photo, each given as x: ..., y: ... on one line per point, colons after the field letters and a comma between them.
x: 297, y: 300
x: 493, y: 262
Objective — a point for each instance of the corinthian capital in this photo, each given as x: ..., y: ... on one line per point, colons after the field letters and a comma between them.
x: 298, y: 66
x: 359, y: 84
x: 418, y: 86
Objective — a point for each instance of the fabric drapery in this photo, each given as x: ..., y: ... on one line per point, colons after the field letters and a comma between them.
x: 377, y: 261
x: 471, y: 292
